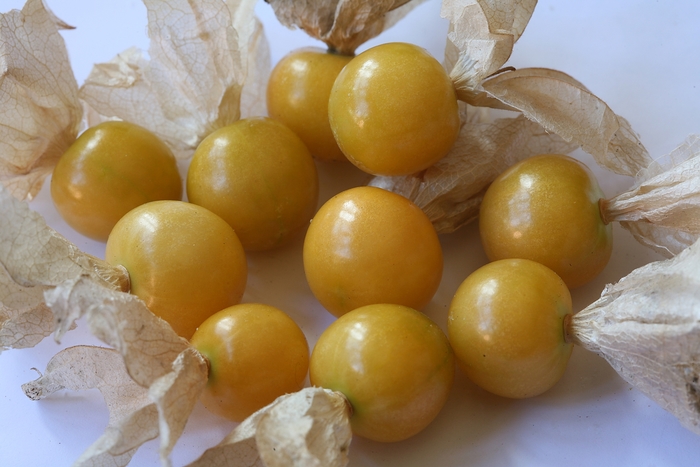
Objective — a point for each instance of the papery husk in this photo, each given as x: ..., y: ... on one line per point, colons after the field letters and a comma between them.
x: 343, y: 25
x: 483, y: 33
x: 310, y: 428
x: 35, y: 258
x: 555, y: 101
x: 647, y: 326
x: 133, y: 418
x: 480, y: 40
x: 662, y: 209
x: 25, y: 320
x: 121, y: 320
x: 154, y: 356
x: 201, y: 57
x: 40, y: 113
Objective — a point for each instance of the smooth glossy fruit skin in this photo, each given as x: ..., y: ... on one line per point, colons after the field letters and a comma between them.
x: 256, y: 353
x: 546, y: 208
x: 297, y: 95
x: 393, y: 110
x: 184, y: 262
x: 259, y: 177
x: 110, y: 169
x: 506, y: 326
x: 367, y: 245
x: 393, y: 364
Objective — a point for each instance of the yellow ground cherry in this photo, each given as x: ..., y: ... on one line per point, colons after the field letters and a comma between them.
x: 184, y: 261
x: 506, y: 326
x: 393, y: 110
x: 367, y: 245
x: 546, y: 208
x: 256, y: 353
x: 297, y: 95
x: 393, y: 364
x: 110, y: 169
x: 259, y: 177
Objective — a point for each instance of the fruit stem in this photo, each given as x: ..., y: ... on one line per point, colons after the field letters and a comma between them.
x: 347, y: 404
x: 117, y: 277
x: 568, y: 337
x: 334, y: 51
x: 603, y: 208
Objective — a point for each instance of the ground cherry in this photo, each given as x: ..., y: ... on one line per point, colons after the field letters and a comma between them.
x: 367, y: 245
x: 184, y: 261
x: 506, y: 326
x: 546, y: 208
x: 259, y: 177
x: 256, y: 353
x: 110, y: 169
x: 393, y: 364
x: 393, y: 110
x: 297, y: 95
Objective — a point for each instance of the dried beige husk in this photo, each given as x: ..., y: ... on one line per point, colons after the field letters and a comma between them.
x: 482, y: 34
x: 153, y: 355
x: 564, y: 115
x: 647, y: 326
x: 310, y: 428
x: 133, y: 418
x: 24, y: 317
x: 35, y: 258
x: 207, y: 67
x: 40, y: 113
x: 662, y: 209
x: 343, y: 25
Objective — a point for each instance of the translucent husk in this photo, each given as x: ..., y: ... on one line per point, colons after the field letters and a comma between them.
x: 33, y: 259
x: 47, y: 283
x: 647, y: 326
x: 309, y: 428
x: 36, y: 127
x: 662, y: 209
x: 343, y: 25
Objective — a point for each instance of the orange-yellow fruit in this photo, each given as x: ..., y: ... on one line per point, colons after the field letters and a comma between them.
x: 297, y: 95
x: 256, y: 353
x: 184, y: 262
x: 394, y: 365
x: 367, y: 245
x: 546, y: 208
x: 259, y: 177
x: 110, y: 169
x: 393, y: 110
x: 506, y: 326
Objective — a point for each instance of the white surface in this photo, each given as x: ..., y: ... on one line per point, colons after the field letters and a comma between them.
x: 641, y: 56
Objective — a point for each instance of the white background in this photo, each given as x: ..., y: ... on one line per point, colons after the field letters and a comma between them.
x: 641, y: 56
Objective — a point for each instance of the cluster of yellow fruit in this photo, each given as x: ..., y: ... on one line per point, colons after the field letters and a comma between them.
x: 371, y: 257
